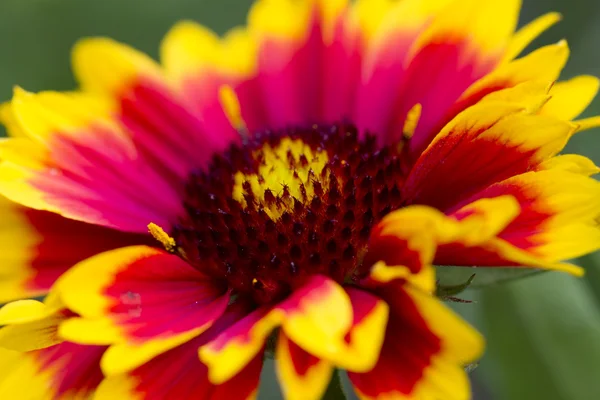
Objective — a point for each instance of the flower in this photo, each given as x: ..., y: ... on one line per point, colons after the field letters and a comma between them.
x: 290, y: 185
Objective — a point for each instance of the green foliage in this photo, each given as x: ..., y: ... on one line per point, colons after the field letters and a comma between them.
x: 543, y: 339
x: 37, y: 35
x: 454, y: 280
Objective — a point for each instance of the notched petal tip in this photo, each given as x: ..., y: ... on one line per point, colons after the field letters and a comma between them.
x: 524, y: 36
x: 281, y: 19
x: 106, y: 66
x: 301, y: 375
x: 573, y: 163
x: 230, y: 351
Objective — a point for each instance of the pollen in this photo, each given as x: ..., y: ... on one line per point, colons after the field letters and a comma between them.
x: 285, y: 205
x: 163, y: 237
x: 231, y: 106
x: 411, y: 121
x: 287, y: 173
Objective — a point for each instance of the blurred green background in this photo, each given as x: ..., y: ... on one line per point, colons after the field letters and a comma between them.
x: 543, y: 332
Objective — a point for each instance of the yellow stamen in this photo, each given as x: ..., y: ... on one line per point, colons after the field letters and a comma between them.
x: 163, y: 237
x: 411, y: 121
x: 231, y: 106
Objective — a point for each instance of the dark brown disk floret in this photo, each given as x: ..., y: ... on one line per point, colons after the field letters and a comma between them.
x: 265, y: 238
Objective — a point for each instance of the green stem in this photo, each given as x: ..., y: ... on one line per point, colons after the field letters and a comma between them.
x: 334, y: 390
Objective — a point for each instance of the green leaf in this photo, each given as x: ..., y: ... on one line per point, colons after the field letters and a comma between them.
x: 543, y: 339
x: 42, y: 32
x: 339, y: 388
x: 447, y: 291
x: 347, y: 386
x: 456, y: 277
x: 335, y: 390
x: 471, y: 367
x: 269, y: 386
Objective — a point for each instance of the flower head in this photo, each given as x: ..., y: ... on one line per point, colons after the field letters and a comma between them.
x: 287, y: 186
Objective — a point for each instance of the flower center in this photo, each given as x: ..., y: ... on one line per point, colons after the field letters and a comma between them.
x: 286, y: 205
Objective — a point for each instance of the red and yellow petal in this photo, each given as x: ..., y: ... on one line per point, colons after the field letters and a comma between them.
x: 500, y: 227
x: 542, y: 65
x: 301, y: 375
x: 140, y: 300
x: 320, y: 317
x: 317, y: 317
x: 382, y: 273
x: 128, y: 106
x: 35, y: 362
x: 157, y: 120
x: 565, y: 100
x: 66, y: 371
x: 191, y: 49
x: 404, y: 244
x: 488, y: 26
x: 288, y: 34
x: 277, y: 81
x: 228, y: 353
x: 333, y: 323
x: 199, y: 64
x: 266, y: 20
x: 344, y: 40
x: 81, y: 164
x: 404, y: 240
x: 365, y: 337
x: 39, y: 246
x: 121, y: 66
x: 179, y: 374
x: 463, y: 43
x: 557, y: 221
x: 424, y: 353
x: 388, y: 30
x: 484, y: 144
x: 550, y: 198
x: 170, y: 135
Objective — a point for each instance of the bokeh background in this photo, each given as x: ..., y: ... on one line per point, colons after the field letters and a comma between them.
x: 543, y: 332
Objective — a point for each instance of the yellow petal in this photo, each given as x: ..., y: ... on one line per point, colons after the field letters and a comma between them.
x: 543, y: 64
x: 105, y: 66
x: 570, y: 98
x: 524, y: 36
x: 489, y: 25
x: 571, y: 163
x: 190, y: 49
